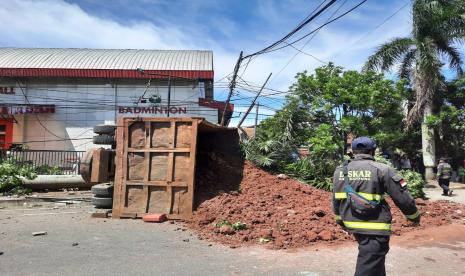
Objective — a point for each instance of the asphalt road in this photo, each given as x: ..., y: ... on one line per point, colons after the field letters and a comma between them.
x: 132, y: 247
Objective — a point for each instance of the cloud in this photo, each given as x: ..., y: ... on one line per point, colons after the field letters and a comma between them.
x: 56, y: 23
x: 60, y: 24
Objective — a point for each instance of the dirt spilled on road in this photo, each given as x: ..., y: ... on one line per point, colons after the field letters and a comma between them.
x: 284, y: 213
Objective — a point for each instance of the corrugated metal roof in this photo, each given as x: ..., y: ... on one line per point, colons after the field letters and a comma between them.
x: 106, y: 59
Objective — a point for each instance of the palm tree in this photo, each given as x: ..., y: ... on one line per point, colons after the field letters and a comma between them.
x: 438, y: 26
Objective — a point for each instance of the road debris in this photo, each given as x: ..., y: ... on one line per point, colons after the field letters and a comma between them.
x: 154, y: 218
x: 100, y: 214
x: 40, y: 233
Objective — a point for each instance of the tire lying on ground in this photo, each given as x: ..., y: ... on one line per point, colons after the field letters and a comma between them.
x: 103, y: 139
x: 105, y: 129
x: 102, y: 202
x: 102, y: 190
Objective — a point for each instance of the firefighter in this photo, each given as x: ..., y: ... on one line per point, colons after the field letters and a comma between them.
x: 360, y: 208
x: 443, y: 175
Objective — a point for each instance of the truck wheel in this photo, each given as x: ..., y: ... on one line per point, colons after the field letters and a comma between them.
x: 102, y: 190
x: 102, y: 202
x: 105, y: 129
x: 103, y: 139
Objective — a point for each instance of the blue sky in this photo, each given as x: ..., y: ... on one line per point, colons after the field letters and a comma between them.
x: 226, y: 27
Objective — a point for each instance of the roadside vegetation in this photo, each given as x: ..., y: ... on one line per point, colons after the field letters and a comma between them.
x: 322, y: 110
x: 325, y: 107
x: 11, y: 172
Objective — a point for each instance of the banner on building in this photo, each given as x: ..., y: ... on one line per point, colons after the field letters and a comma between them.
x: 26, y: 109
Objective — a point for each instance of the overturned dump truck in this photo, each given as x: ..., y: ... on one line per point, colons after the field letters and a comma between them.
x: 159, y: 160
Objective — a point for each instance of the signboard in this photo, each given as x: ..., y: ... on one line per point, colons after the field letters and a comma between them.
x: 7, y: 90
x: 152, y: 110
x: 26, y: 109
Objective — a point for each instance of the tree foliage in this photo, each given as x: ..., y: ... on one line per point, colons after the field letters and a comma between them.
x: 11, y: 172
x: 278, y: 138
x: 321, y: 111
x: 415, y: 182
x: 352, y: 102
x: 437, y: 27
x: 449, y: 120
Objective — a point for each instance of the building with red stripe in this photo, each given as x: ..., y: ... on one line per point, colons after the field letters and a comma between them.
x: 52, y: 98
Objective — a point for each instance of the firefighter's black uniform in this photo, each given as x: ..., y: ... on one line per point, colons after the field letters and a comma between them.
x: 371, y: 180
x: 444, y: 174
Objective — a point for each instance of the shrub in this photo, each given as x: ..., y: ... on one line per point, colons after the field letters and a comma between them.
x: 307, y: 171
x: 10, y: 176
x: 415, y: 182
x: 461, y: 173
x: 48, y: 170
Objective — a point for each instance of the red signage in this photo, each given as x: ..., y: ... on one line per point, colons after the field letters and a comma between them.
x: 215, y: 104
x: 6, y: 133
x: 7, y: 90
x: 27, y: 109
x: 152, y: 110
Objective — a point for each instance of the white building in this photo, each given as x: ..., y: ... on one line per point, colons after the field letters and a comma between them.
x: 52, y: 98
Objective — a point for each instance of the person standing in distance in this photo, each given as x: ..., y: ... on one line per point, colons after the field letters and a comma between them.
x: 443, y: 175
x: 360, y: 208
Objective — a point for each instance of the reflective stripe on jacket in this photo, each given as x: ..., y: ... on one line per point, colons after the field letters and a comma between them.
x: 371, y: 180
x: 444, y: 170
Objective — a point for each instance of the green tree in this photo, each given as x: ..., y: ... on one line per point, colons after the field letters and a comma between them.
x: 449, y: 121
x: 437, y: 26
x: 352, y: 103
x: 278, y: 137
x: 322, y: 110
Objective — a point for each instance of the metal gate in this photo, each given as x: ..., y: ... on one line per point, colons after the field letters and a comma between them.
x: 155, y: 167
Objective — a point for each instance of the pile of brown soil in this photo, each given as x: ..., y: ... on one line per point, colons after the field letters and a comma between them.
x: 284, y: 213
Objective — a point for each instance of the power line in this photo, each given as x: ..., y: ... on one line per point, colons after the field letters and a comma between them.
x: 315, y: 30
x: 346, y: 48
x: 302, y: 22
x: 306, y: 43
x: 40, y: 123
x: 295, y: 30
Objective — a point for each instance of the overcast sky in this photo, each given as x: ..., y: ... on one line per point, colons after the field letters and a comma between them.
x: 226, y: 27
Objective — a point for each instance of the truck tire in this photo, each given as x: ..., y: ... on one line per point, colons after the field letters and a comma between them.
x: 104, y: 139
x: 105, y: 129
x: 102, y: 190
x: 102, y: 202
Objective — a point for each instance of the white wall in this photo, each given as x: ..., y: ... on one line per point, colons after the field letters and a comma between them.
x: 82, y: 104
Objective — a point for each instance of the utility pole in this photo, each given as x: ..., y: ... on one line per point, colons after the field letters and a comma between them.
x: 169, y: 96
x: 253, y: 102
x: 256, y: 119
x: 232, y: 85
